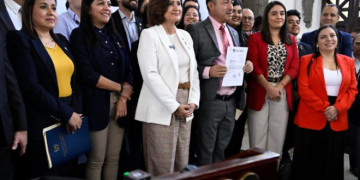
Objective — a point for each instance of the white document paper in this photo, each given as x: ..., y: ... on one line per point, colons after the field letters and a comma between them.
x: 235, y: 61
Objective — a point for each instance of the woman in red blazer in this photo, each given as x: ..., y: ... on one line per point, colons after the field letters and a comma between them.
x: 274, y: 55
x: 327, y: 88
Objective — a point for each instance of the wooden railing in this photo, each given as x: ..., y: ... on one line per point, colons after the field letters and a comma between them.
x: 249, y: 163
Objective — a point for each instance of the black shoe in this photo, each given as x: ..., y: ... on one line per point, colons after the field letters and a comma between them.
x: 354, y: 171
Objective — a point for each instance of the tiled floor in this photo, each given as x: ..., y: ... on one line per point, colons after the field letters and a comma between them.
x: 348, y: 175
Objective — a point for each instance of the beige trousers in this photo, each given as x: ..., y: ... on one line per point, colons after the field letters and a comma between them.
x: 166, y: 148
x: 106, y: 146
x: 267, y: 127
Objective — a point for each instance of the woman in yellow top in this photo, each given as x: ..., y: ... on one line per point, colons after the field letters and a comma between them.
x: 46, y: 76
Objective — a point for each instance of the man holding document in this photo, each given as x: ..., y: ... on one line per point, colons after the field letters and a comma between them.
x: 216, y: 115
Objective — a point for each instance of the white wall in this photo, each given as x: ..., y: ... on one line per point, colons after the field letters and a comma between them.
x: 203, y: 10
x: 60, y: 6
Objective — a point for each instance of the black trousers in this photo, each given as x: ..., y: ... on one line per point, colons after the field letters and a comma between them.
x: 6, y: 163
x: 290, y: 132
x: 34, y: 163
x: 136, y: 145
x: 235, y: 143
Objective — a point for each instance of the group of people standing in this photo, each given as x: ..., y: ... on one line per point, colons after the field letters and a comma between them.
x: 158, y: 82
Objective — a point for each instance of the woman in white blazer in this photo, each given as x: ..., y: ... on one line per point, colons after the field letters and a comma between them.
x: 170, y: 91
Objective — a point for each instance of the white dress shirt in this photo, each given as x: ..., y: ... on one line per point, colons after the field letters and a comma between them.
x: 130, y: 28
x: 14, y: 11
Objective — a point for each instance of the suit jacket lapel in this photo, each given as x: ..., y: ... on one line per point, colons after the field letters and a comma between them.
x: 319, y: 68
x: 340, y: 40
x: 5, y: 16
x: 120, y: 28
x: 234, y: 36
x: 210, y: 29
x: 139, y: 25
x: 344, y: 67
x: 65, y: 49
x: 40, y: 49
x: 168, y: 46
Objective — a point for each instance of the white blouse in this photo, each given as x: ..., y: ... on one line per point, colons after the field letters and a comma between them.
x: 184, y: 59
x: 333, y: 80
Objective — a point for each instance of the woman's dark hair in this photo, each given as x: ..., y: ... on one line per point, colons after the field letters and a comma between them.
x: 145, y: 20
x: 181, y: 23
x: 27, y: 22
x: 265, y: 31
x: 257, y: 23
x: 156, y: 11
x: 196, y: 1
x: 87, y: 27
x: 316, y: 52
x: 137, y: 11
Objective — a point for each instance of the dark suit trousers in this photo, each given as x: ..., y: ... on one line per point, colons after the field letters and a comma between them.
x: 34, y: 163
x: 134, y: 135
x: 215, y: 125
x: 290, y: 132
x: 235, y: 143
x: 6, y: 163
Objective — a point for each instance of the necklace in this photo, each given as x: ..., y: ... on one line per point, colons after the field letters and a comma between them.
x: 47, y: 43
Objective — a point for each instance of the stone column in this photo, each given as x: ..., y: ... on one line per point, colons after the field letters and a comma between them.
x: 257, y: 6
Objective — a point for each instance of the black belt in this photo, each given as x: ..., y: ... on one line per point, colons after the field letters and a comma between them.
x: 274, y: 80
x: 224, y: 97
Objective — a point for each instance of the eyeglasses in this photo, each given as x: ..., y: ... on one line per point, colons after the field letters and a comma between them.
x: 248, y: 18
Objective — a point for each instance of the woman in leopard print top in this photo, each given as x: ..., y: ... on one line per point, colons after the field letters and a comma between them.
x: 275, y: 57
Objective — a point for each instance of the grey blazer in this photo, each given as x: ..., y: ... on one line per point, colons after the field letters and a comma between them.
x: 206, y: 51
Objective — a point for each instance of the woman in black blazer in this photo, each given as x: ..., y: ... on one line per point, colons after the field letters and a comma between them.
x: 46, y: 75
x: 105, y: 72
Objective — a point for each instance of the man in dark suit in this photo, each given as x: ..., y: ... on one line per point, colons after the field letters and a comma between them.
x: 13, y: 124
x: 129, y: 26
x: 216, y: 115
x: 293, y: 23
x: 126, y: 23
x: 10, y: 21
x: 353, y: 116
x: 330, y: 15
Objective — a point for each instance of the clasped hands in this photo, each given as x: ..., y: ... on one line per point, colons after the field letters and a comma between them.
x: 219, y: 71
x: 331, y: 113
x: 275, y: 92
x: 121, y: 106
x: 185, y: 110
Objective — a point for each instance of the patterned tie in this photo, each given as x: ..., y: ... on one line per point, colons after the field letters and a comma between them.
x: 225, y: 40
